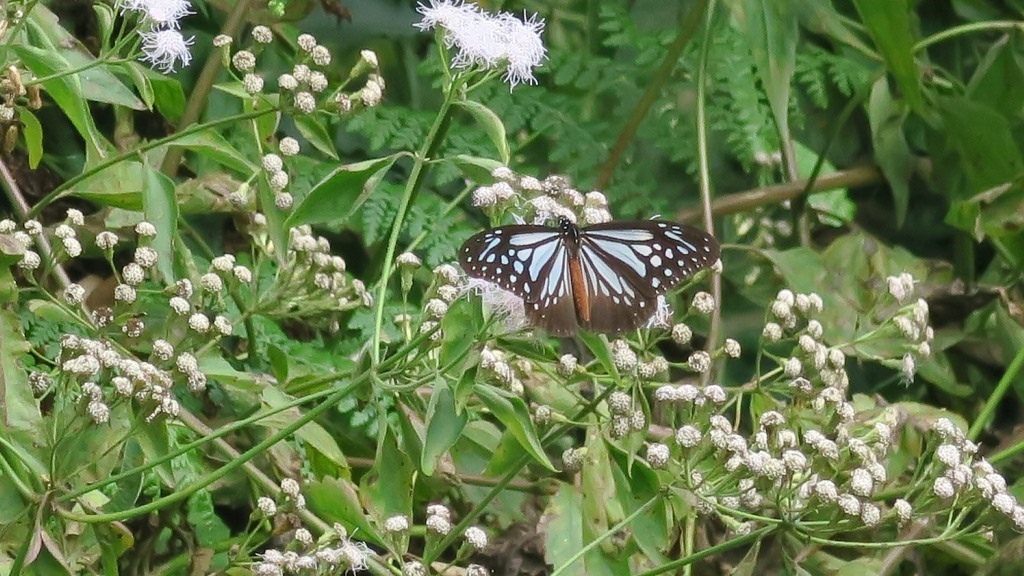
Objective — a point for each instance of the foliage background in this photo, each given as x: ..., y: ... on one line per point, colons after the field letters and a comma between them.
x: 846, y: 141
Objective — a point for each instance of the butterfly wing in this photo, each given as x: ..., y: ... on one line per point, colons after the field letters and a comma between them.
x: 627, y: 265
x: 531, y: 262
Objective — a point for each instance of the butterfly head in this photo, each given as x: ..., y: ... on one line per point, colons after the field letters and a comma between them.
x: 568, y: 228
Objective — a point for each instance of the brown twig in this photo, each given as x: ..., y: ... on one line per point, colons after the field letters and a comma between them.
x: 21, y: 209
x: 767, y: 195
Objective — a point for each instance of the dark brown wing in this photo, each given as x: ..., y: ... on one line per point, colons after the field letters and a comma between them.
x: 627, y: 265
x: 532, y: 263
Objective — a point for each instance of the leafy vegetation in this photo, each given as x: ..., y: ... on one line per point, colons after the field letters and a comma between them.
x: 234, y: 339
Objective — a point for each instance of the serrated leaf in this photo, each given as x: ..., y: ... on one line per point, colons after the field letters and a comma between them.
x: 492, y: 126
x: 341, y: 193
x: 513, y: 413
x: 444, y: 426
x: 160, y: 206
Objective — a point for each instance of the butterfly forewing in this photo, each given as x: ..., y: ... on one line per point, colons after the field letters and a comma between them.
x: 624, y: 267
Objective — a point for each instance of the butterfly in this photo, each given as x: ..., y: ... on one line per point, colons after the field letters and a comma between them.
x: 602, y: 278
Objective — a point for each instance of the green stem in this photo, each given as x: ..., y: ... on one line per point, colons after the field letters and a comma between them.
x: 704, y: 176
x: 985, y: 416
x: 712, y: 551
x: 59, y: 191
x: 968, y: 29
x: 416, y: 178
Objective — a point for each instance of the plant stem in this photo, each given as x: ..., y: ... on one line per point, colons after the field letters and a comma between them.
x: 416, y: 178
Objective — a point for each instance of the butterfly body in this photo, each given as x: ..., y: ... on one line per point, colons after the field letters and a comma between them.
x: 602, y: 278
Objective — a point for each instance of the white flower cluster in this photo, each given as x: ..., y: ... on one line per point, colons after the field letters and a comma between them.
x: 963, y: 477
x: 163, y: 45
x: 97, y: 364
x: 487, y: 41
x: 334, y: 555
x: 497, y: 363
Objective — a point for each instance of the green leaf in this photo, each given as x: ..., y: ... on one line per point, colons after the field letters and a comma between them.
x: 564, y: 537
x: 988, y: 149
x: 313, y: 435
x: 389, y: 484
x: 97, y: 82
x: 337, y: 197
x: 476, y: 168
x: 211, y: 144
x: 66, y: 91
x: 19, y: 410
x: 312, y: 129
x: 275, y: 217
x: 33, y: 132
x: 168, y: 95
x: 513, y: 413
x: 598, y: 346
x: 492, y: 126
x: 891, y: 150
x: 889, y: 22
x: 336, y: 500
x: 771, y: 30
x: 444, y: 425
x: 119, y: 186
x: 160, y: 206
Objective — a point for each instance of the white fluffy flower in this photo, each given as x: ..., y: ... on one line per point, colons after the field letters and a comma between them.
x: 163, y: 49
x: 487, y: 41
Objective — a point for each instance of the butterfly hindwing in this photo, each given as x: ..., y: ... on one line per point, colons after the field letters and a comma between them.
x: 622, y: 267
x: 655, y: 255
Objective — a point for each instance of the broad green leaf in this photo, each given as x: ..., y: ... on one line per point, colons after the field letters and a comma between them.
x: 772, y: 33
x: 598, y: 346
x: 492, y: 126
x: 387, y: 487
x: 513, y: 413
x: 168, y: 95
x: 460, y: 324
x: 341, y: 193
x: 19, y: 411
x: 66, y: 91
x: 891, y: 27
x: 33, y: 133
x: 476, y: 168
x: 635, y: 485
x: 160, y: 206
x: 98, y: 84
x: 119, y: 186
x: 314, y: 435
x: 822, y: 18
x: 312, y: 129
x: 564, y: 537
x: 211, y: 144
x: 995, y: 212
x: 337, y: 500
x: 982, y: 137
x: 444, y: 425
x: 891, y: 150
x: 998, y: 81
